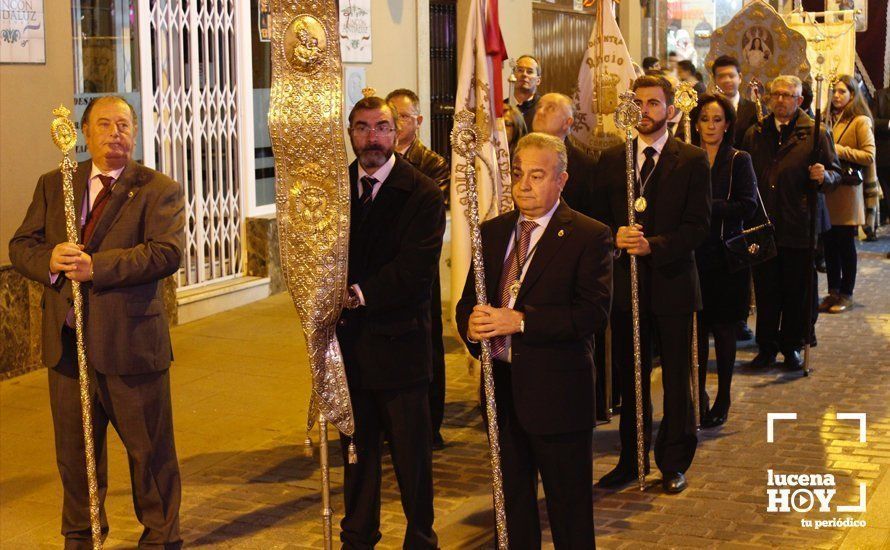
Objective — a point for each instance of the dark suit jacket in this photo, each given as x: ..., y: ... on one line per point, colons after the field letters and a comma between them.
x: 675, y: 223
x: 137, y: 242
x: 393, y: 257
x: 881, y: 111
x: 746, y: 116
x: 581, y: 168
x: 565, y: 296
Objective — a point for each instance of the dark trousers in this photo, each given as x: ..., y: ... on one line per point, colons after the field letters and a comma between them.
x: 840, y: 258
x: 780, y: 290
x: 403, y: 415
x: 565, y: 462
x: 676, y: 441
x: 437, y: 384
x: 138, y: 406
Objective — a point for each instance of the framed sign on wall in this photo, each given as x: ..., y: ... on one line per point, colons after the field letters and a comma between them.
x: 22, y: 31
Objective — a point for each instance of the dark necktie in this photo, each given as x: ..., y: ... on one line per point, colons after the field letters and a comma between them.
x: 512, y: 271
x: 648, y: 166
x: 367, y: 195
x: 98, y: 206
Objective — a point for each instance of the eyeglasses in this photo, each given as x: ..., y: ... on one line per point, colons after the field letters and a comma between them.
x: 364, y: 130
x: 531, y: 71
x: 783, y: 96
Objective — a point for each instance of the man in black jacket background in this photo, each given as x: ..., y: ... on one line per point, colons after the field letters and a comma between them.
x: 397, y: 223
x: 432, y: 165
x: 781, y: 150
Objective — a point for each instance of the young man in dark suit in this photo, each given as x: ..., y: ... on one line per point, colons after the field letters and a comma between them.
x: 131, y: 221
x: 673, y: 214
x: 549, y: 278
x: 396, y: 228
x: 727, y: 74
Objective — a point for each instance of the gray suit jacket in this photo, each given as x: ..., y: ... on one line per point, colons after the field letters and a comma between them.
x: 137, y: 242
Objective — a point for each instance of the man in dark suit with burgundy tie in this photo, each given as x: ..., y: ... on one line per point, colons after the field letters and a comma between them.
x: 396, y: 228
x: 549, y: 279
x: 131, y: 221
x: 672, y: 218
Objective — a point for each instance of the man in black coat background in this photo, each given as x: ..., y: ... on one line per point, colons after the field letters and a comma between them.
x: 781, y: 150
x: 431, y: 164
x: 727, y: 74
x: 548, y: 276
x: 673, y: 179
x: 396, y: 229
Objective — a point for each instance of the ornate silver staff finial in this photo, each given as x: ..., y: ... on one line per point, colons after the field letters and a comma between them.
x: 628, y: 114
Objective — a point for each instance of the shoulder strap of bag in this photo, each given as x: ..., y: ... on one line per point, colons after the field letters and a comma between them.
x: 729, y: 193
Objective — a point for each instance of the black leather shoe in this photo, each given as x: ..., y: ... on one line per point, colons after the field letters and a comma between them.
x: 673, y: 482
x: 619, y: 476
x: 438, y: 442
x: 712, y: 421
x: 793, y: 361
x: 763, y: 360
x: 743, y: 333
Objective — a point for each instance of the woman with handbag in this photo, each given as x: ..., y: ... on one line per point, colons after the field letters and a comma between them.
x: 724, y: 282
x: 851, y: 128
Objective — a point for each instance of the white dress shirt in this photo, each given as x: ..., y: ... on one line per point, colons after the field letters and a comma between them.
x: 536, y: 235
x: 380, y: 175
x: 658, y: 145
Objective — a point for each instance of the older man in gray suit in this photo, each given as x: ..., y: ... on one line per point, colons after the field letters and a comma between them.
x: 131, y: 221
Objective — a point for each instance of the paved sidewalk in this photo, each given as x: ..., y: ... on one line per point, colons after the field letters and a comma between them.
x: 240, y: 389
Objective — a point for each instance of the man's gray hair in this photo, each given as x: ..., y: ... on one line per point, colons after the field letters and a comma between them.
x: 541, y: 140
x: 789, y: 80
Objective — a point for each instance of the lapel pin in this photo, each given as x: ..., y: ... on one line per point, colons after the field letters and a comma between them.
x: 130, y: 194
x: 562, y: 233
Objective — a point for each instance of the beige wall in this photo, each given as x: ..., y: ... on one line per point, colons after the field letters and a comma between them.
x: 395, y: 55
x: 28, y: 93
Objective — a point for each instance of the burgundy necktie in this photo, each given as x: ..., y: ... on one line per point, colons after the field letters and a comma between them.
x: 93, y: 216
x: 98, y: 206
x: 510, y: 274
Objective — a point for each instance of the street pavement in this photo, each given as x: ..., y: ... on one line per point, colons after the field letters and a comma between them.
x: 240, y: 394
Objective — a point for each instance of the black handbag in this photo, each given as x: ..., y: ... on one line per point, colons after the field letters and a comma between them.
x: 851, y: 173
x: 753, y: 245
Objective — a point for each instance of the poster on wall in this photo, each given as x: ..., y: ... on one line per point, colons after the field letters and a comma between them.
x: 22, y: 32
x: 355, y: 31
x: 354, y: 83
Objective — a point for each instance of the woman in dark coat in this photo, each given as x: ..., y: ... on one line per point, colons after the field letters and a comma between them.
x: 724, y: 293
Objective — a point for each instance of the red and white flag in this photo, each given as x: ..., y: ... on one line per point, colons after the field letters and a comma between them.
x: 480, y: 92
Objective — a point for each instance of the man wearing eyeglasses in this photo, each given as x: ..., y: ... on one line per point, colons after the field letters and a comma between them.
x: 781, y: 150
x: 528, y: 77
x: 431, y: 164
x: 396, y: 229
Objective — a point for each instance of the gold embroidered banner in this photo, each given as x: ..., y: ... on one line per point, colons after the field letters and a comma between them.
x: 312, y: 187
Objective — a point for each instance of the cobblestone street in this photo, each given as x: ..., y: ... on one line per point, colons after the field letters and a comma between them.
x: 240, y: 390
